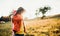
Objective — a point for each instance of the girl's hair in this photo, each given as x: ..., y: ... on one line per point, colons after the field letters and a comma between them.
x: 19, y: 10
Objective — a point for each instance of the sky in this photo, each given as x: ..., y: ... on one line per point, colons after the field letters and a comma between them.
x: 6, y: 6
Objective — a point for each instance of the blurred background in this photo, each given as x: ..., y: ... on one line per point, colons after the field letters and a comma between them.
x: 43, y: 13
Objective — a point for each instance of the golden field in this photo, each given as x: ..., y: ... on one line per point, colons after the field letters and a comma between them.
x: 35, y: 27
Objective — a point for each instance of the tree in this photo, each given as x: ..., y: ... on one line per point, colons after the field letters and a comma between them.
x: 43, y: 11
x: 36, y: 13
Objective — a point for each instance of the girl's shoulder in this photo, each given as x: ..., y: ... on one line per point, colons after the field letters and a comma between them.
x: 17, y: 17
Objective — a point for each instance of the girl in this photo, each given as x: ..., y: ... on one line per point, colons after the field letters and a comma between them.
x: 18, y: 23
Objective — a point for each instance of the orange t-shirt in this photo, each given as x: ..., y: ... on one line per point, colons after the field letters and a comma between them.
x: 17, y: 22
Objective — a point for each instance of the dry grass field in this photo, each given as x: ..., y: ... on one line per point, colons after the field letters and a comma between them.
x: 5, y: 29
x: 44, y: 27
x: 35, y: 27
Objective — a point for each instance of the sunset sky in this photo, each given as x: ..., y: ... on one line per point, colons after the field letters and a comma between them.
x: 6, y: 6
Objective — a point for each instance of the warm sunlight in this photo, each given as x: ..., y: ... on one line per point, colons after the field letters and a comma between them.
x: 29, y: 17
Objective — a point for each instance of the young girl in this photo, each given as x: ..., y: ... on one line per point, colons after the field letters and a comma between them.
x: 18, y: 23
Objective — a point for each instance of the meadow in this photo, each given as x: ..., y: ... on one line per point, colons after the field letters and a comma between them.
x: 35, y: 27
x: 5, y: 29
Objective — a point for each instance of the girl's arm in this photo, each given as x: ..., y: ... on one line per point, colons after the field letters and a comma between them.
x: 24, y: 27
